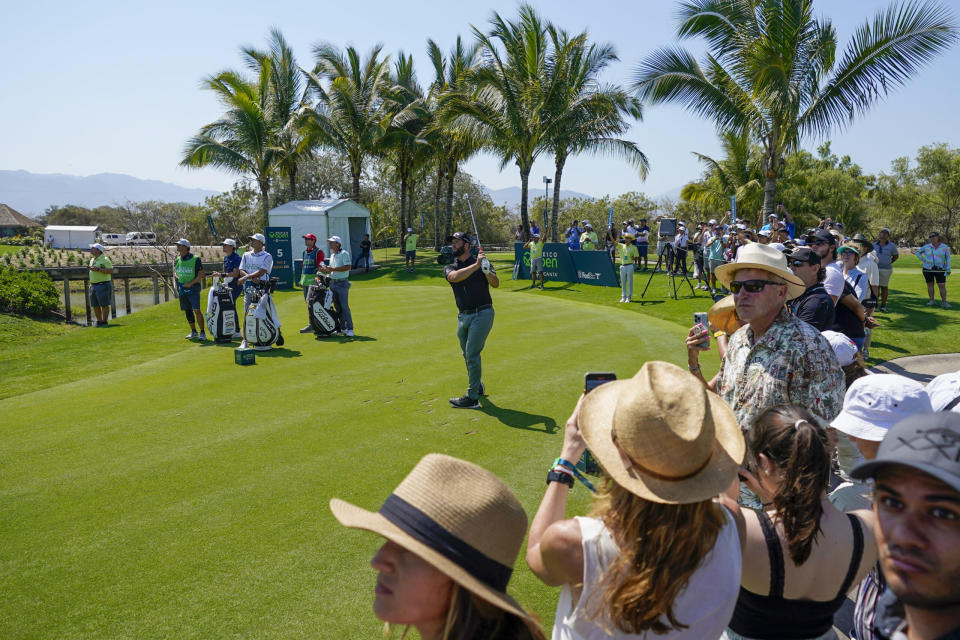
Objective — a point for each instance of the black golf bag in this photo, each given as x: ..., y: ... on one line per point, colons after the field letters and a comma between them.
x: 324, y: 317
x: 261, y: 326
x: 222, y: 318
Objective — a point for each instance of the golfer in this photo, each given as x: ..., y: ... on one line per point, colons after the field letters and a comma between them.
x: 471, y: 289
x: 453, y: 533
x: 312, y: 260
x: 255, y: 266
x: 339, y: 270
x: 189, y: 273
x: 410, y: 249
x: 101, y: 284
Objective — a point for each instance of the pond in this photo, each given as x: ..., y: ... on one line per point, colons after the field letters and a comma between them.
x: 141, y: 297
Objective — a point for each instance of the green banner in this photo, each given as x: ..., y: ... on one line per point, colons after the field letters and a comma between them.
x: 560, y: 264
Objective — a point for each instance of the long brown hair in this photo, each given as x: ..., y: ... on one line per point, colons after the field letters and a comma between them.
x: 472, y: 618
x: 794, y: 439
x: 661, y: 545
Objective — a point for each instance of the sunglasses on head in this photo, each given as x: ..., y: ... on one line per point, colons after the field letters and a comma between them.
x: 752, y: 286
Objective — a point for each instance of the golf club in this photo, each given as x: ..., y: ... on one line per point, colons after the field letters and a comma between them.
x: 485, y: 265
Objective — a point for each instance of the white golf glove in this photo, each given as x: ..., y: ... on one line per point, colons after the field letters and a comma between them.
x: 485, y: 266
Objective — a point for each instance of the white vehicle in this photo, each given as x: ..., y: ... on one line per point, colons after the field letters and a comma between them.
x: 141, y: 238
x: 113, y: 238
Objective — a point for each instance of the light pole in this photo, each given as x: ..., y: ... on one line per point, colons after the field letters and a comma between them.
x: 546, y: 197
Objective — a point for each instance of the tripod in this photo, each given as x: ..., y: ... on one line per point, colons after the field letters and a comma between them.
x: 667, y: 254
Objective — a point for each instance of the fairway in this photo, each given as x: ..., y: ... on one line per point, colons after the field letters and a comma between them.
x: 180, y: 495
x: 151, y: 488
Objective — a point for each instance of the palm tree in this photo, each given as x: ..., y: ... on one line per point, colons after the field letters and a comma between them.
x: 452, y: 143
x: 242, y: 140
x: 738, y: 173
x: 771, y: 68
x: 287, y: 96
x: 348, y: 115
x: 507, y: 109
x: 583, y: 115
x: 406, y: 118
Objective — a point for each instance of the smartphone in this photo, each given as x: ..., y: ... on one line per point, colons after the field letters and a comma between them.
x: 587, y: 463
x: 702, y: 319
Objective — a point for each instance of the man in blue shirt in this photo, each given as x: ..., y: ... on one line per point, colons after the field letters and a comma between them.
x: 231, y: 269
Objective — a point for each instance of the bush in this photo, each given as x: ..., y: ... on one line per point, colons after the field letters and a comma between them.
x: 29, y: 293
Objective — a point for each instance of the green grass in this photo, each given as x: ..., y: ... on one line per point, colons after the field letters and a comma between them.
x: 151, y: 488
x: 5, y: 248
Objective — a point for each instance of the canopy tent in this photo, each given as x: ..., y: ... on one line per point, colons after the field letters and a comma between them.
x: 68, y: 237
x: 324, y: 218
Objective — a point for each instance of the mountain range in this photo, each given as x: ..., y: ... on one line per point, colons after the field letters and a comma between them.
x: 31, y: 193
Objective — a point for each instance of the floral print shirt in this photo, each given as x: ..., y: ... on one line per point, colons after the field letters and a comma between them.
x: 935, y: 258
x: 790, y: 363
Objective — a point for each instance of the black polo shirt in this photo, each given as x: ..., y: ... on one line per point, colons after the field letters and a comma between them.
x: 474, y: 291
x: 815, y: 306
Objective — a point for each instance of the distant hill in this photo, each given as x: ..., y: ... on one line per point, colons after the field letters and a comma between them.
x: 32, y: 193
x: 510, y: 197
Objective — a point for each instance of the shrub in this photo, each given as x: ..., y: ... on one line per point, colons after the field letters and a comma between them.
x: 29, y: 293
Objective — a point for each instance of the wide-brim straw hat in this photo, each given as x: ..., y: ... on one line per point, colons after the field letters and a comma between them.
x: 765, y: 257
x: 723, y: 315
x: 457, y: 516
x: 683, y: 442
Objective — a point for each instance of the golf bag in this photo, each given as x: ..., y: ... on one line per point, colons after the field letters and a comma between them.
x: 222, y: 320
x: 261, y: 326
x: 324, y: 318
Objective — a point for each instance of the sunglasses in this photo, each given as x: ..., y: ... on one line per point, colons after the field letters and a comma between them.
x: 797, y: 263
x: 817, y: 242
x: 752, y: 286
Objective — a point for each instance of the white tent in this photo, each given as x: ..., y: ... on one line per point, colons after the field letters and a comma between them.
x: 324, y: 218
x: 68, y: 237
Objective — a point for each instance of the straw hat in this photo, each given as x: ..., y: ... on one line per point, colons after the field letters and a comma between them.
x: 683, y: 443
x: 765, y: 257
x: 723, y: 315
x: 458, y: 517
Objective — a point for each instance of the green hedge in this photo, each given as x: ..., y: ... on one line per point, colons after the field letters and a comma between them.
x: 33, y: 294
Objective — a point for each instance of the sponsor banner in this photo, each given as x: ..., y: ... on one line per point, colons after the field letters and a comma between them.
x: 560, y: 264
x: 279, y: 246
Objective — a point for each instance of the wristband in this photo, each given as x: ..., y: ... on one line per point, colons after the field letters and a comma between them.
x: 576, y: 472
x: 719, y: 333
x: 692, y: 369
x: 558, y: 476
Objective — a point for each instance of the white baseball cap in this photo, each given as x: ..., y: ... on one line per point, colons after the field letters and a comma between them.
x: 843, y: 347
x: 229, y: 241
x: 258, y: 237
x: 875, y: 403
x: 184, y: 242
x: 943, y: 390
x: 335, y: 239
x: 712, y: 221
x: 97, y: 246
x: 765, y: 233
x: 409, y: 229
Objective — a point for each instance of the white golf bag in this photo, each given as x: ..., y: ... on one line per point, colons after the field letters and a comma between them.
x: 222, y: 318
x: 261, y: 326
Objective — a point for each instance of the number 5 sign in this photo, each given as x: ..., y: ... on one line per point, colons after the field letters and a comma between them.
x: 278, y: 246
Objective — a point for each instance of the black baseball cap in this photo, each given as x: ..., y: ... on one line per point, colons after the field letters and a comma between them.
x: 459, y: 235
x: 824, y: 236
x: 927, y: 442
x: 805, y: 254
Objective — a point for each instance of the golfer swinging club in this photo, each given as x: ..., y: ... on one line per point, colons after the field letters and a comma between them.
x: 471, y: 279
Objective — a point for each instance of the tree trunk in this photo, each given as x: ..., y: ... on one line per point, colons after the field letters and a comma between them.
x: 524, y: 214
x: 403, y: 209
x: 265, y: 201
x: 555, y: 211
x: 771, y: 168
x: 436, y: 207
x: 451, y: 176
x: 769, y: 190
x: 293, y: 182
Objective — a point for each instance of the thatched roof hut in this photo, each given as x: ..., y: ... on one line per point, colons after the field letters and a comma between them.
x: 14, y: 223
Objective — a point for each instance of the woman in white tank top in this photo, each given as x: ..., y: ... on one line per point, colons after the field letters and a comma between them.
x: 660, y: 556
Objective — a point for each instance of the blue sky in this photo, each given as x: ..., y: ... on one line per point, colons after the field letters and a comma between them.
x: 114, y: 86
